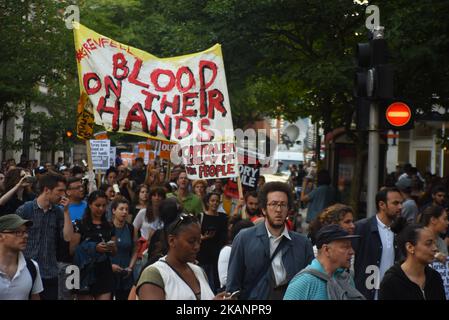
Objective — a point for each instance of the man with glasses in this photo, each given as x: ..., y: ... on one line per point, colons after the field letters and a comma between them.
x: 75, y: 193
x: 76, y: 207
x: 264, y: 258
x: 19, y: 277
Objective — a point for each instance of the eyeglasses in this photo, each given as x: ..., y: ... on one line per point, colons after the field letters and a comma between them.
x: 182, y: 217
x: 276, y: 205
x: 17, y: 233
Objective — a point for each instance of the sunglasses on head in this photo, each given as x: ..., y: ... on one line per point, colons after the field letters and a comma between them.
x: 183, y: 217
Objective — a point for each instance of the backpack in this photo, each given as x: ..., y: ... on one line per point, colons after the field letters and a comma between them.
x: 338, y: 288
x: 33, y: 272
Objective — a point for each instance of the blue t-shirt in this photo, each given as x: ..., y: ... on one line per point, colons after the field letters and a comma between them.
x: 76, y: 211
x: 306, y: 286
x: 320, y: 198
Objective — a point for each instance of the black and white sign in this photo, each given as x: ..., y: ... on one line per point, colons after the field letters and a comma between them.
x: 443, y: 269
x: 101, y: 153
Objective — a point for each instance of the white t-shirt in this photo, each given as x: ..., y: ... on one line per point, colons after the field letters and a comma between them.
x: 175, y: 287
x: 223, y: 262
x: 141, y: 223
x: 18, y: 288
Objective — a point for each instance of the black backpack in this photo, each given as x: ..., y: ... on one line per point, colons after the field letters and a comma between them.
x: 33, y: 272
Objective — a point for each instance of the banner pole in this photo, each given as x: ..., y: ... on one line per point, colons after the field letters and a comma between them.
x: 167, y: 176
x: 89, y: 156
x: 147, y: 172
x: 240, y: 187
x: 99, y: 178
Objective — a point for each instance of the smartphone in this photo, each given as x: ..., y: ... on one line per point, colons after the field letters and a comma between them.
x: 30, y: 179
x: 233, y: 295
x: 116, y: 188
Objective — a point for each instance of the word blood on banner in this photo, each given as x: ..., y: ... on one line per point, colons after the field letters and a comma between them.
x: 172, y: 99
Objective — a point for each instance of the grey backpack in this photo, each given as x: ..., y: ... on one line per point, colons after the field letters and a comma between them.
x: 338, y: 288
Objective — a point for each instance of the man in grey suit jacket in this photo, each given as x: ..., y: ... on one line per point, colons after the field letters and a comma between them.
x: 264, y: 258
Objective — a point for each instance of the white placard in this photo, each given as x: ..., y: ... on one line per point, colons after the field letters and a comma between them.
x: 101, y: 153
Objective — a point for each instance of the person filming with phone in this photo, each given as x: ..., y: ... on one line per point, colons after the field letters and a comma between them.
x: 214, y: 229
x: 18, y: 190
x: 93, y: 244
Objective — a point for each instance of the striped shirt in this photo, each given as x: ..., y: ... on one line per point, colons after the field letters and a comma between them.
x: 43, y: 236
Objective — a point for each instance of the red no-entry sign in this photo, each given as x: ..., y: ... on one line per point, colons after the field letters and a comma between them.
x: 398, y: 114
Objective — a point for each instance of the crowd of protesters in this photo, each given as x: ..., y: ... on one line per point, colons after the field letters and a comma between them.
x: 148, y: 232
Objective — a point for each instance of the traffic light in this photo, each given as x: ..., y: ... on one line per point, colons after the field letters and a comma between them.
x: 374, y: 75
x: 69, y: 134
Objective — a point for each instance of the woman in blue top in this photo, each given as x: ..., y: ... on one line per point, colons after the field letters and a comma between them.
x: 123, y: 262
x: 94, y: 243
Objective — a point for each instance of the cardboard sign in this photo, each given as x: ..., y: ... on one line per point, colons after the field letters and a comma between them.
x: 165, y: 149
x: 443, y: 269
x: 249, y: 175
x: 127, y: 158
x: 101, y: 153
x: 231, y: 189
x: 103, y: 135
x: 84, y: 118
x: 209, y: 160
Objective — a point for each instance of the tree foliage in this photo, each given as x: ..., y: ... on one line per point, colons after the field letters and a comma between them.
x: 282, y: 57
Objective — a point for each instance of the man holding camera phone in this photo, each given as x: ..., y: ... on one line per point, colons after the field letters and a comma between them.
x: 18, y: 187
x: 125, y: 184
x: 51, y: 224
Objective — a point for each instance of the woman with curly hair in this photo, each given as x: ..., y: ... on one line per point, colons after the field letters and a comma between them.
x: 338, y: 213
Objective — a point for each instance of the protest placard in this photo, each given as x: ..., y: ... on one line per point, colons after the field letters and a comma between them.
x: 101, y: 152
x: 178, y: 99
x: 127, y: 158
x: 84, y: 117
x: 443, y: 269
x: 249, y: 174
x: 165, y: 150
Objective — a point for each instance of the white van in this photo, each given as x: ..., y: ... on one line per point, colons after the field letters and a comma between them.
x: 286, y: 158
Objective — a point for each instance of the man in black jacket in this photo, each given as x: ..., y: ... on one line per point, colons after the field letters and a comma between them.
x: 376, y: 251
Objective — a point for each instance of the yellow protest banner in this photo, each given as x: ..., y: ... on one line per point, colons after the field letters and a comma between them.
x: 179, y: 99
